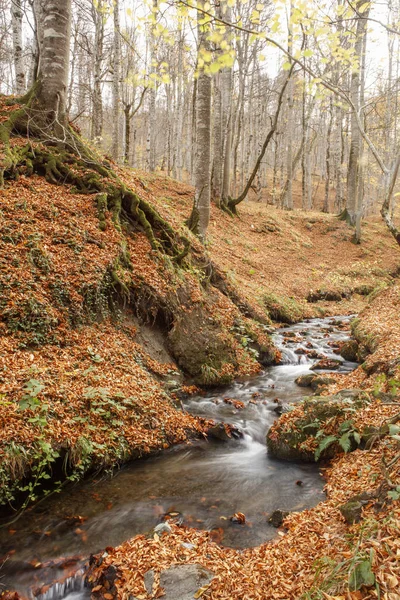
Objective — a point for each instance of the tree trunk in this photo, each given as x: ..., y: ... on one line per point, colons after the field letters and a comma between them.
x: 97, y: 102
x: 354, y: 174
x: 217, y: 141
x: 200, y: 216
x: 16, y: 14
x: 127, y: 118
x: 52, y: 80
x: 115, y: 85
x: 325, y: 208
x: 151, y: 130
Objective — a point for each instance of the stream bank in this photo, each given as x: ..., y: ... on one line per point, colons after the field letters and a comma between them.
x: 201, y: 485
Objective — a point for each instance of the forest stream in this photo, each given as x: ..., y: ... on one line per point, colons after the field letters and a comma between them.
x: 205, y: 482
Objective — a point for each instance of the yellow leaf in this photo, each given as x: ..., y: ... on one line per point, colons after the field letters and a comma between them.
x: 201, y: 591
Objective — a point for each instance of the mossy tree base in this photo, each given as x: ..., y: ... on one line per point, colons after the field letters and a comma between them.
x: 71, y: 161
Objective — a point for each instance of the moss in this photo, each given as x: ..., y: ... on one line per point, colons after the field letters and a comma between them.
x: 102, y: 206
x: 283, y: 309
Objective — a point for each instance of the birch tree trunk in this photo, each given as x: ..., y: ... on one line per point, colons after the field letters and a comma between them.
x: 16, y: 15
x: 226, y: 110
x: 217, y: 142
x: 325, y: 208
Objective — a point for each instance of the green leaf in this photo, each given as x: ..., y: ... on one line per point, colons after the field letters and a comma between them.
x: 361, y: 575
x: 394, y: 494
x: 325, y: 443
x: 394, y: 429
x: 344, y: 441
x: 34, y: 387
x: 357, y: 437
x: 345, y: 426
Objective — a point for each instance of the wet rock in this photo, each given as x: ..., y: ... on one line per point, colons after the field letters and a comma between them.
x: 305, y: 380
x: 319, y: 383
x: 105, y: 587
x: 238, y: 518
x: 315, y: 354
x: 300, y: 351
x: 277, y: 517
x: 224, y: 432
x: 326, y: 364
x: 281, y: 408
x: 180, y: 582
x: 349, y: 351
x: 162, y: 528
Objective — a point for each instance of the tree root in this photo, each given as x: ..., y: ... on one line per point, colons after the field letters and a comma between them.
x: 71, y: 161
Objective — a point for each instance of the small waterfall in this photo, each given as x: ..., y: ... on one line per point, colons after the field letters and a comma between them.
x: 72, y: 588
x: 289, y: 357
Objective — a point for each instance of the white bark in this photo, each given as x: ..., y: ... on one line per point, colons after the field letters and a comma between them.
x: 16, y: 14
x: 54, y: 58
x: 115, y: 84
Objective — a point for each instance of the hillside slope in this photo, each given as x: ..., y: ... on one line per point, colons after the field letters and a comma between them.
x: 97, y: 329
x: 268, y: 252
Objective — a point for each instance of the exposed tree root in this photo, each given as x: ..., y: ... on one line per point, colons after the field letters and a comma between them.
x: 68, y: 160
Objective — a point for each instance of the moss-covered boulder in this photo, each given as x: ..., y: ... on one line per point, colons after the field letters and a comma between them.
x: 201, y: 348
x: 349, y: 351
x: 317, y: 429
x: 305, y: 380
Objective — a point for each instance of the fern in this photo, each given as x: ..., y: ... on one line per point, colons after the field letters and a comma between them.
x: 345, y: 442
x: 324, y: 444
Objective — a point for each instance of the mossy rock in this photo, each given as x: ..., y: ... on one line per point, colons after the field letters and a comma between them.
x: 352, y: 509
x: 349, y: 351
x: 305, y: 380
x: 319, y: 383
x: 201, y: 348
x: 283, y: 309
x: 291, y: 441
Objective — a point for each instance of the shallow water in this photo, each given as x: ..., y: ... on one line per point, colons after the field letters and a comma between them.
x: 206, y: 481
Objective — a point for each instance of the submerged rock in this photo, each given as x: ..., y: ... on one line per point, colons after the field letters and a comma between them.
x: 277, y: 517
x: 224, y: 432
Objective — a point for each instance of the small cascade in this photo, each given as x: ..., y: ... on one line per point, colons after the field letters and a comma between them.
x: 72, y: 588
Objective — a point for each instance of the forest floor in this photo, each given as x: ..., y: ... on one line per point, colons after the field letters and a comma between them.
x: 85, y: 382
x: 272, y: 255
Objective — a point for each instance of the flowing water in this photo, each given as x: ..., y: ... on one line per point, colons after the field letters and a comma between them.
x: 206, y: 482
